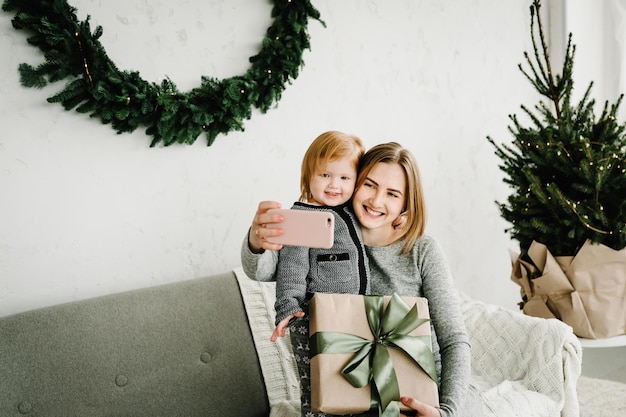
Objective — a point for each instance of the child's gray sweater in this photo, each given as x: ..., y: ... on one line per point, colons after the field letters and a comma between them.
x: 342, y: 269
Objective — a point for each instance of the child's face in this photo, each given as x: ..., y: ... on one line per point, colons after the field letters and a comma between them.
x: 334, y: 183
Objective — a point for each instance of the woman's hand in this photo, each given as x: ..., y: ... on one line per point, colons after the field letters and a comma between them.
x: 421, y: 408
x: 259, y: 233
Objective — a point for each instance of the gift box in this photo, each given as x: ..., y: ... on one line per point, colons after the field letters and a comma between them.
x: 366, y: 351
x: 586, y: 291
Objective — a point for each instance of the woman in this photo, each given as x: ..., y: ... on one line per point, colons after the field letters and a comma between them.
x: 389, y: 204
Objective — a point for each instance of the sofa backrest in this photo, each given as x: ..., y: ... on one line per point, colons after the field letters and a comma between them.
x: 181, y: 349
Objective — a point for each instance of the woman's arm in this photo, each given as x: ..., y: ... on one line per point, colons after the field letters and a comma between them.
x: 454, y: 347
x: 258, y: 266
x: 259, y: 257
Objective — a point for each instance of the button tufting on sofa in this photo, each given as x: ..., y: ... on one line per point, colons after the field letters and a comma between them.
x: 206, y: 357
x: 121, y: 380
x: 24, y: 407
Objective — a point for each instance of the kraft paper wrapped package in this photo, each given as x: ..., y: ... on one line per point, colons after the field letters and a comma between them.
x: 586, y: 291
x: 341, y: 324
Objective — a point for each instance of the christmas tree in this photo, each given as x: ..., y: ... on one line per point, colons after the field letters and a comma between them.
x: 567, y: 169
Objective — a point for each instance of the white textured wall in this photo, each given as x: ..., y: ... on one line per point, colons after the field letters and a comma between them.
x: 86, y: 212
x: 599, y: 33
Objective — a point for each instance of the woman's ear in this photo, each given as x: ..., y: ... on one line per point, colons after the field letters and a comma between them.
x: 399, y: 222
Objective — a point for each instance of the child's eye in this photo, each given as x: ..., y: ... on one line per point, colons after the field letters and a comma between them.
x: 324, y: 175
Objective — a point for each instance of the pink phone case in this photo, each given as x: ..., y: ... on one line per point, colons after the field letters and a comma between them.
x: 312, y: 229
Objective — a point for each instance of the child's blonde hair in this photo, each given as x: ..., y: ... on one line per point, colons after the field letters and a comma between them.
x: 327, y: 147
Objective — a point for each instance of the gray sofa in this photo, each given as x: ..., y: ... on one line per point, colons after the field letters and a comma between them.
x: 201, y: 348
x: 182, y: 349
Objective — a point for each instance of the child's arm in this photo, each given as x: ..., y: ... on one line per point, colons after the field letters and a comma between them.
x: 281, y: 327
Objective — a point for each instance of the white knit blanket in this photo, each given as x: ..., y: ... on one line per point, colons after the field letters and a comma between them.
x: 522, y: 365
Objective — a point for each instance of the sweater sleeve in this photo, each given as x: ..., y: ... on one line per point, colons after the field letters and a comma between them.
x: 258, y: 266
x: 454, y: 347
x: 291, y: 280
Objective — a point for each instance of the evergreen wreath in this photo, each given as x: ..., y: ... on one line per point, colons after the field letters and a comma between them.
x: 122, y: 98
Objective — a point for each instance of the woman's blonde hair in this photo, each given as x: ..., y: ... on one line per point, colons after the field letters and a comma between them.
x: 414, y: 205
x: 327, y: 147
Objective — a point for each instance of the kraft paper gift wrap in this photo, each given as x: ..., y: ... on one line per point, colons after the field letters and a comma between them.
x: 332, y: 392
x: 586, y: 291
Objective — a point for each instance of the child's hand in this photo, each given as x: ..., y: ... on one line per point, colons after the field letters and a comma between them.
x: 281, y: 327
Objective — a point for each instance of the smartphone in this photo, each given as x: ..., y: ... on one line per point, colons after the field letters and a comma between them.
x: 312, y: 229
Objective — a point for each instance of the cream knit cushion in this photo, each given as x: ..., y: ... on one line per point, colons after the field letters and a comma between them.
x: 276, y: 359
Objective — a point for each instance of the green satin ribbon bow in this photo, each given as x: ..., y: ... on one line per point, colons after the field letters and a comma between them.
x: 372, y: 361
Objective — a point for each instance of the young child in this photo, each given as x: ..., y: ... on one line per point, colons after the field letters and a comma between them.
x: 328, y: 177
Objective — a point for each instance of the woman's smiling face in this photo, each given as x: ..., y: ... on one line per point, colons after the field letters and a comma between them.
x: 380, y: 200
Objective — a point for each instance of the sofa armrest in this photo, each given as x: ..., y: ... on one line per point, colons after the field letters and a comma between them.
x: 530, y: 355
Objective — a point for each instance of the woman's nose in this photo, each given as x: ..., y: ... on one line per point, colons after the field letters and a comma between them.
x: 376, y: 198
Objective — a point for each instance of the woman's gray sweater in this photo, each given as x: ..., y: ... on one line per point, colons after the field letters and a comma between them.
x: 423, y: 272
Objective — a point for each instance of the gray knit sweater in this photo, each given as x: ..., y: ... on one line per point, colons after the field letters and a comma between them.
x: 423, y: 272
x: 342, y: 269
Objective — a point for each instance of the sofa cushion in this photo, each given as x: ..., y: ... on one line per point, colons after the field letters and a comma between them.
x: 182, y: 349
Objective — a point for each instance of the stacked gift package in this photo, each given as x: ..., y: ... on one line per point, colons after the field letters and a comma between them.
x: 367, y: 351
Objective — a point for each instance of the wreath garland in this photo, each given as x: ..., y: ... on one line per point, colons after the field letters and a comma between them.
x: 123, y: 99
